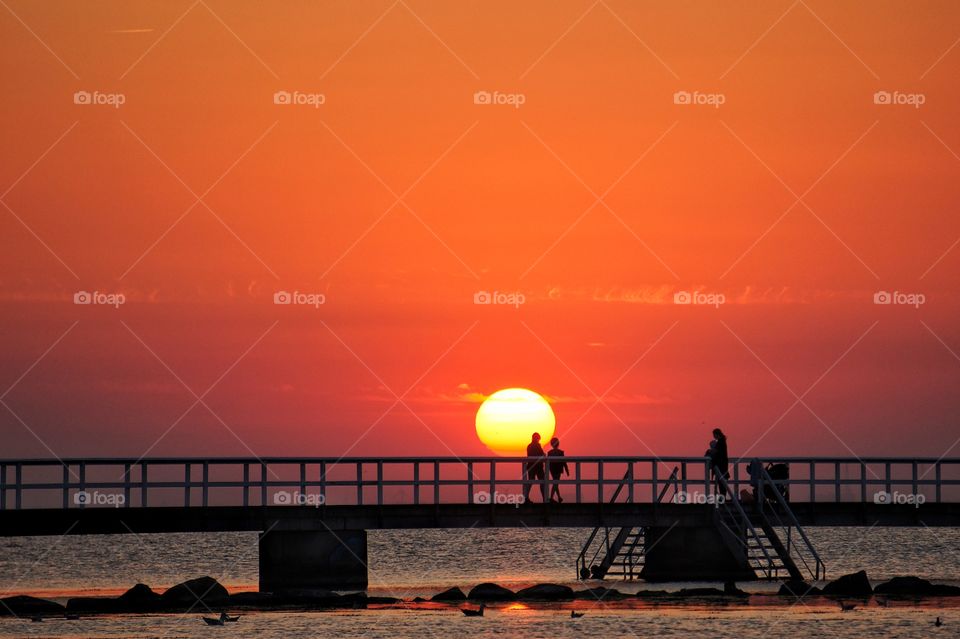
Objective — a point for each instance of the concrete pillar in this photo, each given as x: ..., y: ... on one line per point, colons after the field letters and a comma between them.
x: 297, y: 560
x: 692, y: 554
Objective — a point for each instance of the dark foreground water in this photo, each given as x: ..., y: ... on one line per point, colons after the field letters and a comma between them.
x: 406, y: 564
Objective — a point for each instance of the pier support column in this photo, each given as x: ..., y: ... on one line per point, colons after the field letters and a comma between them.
x: 692, y: 554
x: 296, y: 560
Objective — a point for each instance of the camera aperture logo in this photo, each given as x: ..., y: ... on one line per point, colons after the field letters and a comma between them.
x: 97, y: 498
x: 699, y: 298
x: 299, y: 98
x: 898, y: 298
x: 898, y: 98
x: 98, y: 98
x: 99, y: 299
x: 500, y: 298
x: 696, y: 98
x: 496, y: 98
x: 701, y: 499
x: 899, y: 499
x: 296, y: 498
x: 502, y: 499
x: 297, y: 298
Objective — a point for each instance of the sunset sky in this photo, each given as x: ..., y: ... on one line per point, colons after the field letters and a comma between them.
x: 797, y: 199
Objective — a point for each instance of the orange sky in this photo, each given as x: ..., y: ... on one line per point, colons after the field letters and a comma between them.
x: 398, y: 198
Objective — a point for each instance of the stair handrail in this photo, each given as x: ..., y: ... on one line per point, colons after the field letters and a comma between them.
x: 581, y: 559
x: 745, y: 520
x: 765, y: 478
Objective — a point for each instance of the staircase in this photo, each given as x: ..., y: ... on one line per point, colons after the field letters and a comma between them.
x: 617, y: 552
x: 767, y: 533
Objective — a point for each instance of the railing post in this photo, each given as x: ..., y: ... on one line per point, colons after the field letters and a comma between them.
x: 66, y: 486
x: 655, y: 494
x: 3, y: 486
x: 143, y: 484
x: 630, y: 484
x: 246, y: 484
x: 916, y: 487
x: 938, y: 478
x: 493, y: 481
x: 863, y: 482
x: 416, y: 483
x: 379, y: 483
x: 359, y: 483
x: 683, y: 476
x: 813, y: 483
x: 579, y: 481
x: 836, y: 482
x: 888, y: 479
x: 83, y: 479
x: 126, y: 485
x: 600, y: 482
x: 436, y: 483
x: 303, y: 480
x: 18, y: 487
x: 206, y: 483
x: 186, y: 484
x: 323, y: 482
x: 469, y: 482
x: 263, y: 483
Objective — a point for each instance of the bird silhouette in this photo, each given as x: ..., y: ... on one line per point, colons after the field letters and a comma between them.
x: 576, y: 615
x: 474, y: 613
x: 845, y: 607
x: 938, y: 623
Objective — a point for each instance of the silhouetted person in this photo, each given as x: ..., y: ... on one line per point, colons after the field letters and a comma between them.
x: 719, y: 460
x: 534, y: 467
x: 557, y: 468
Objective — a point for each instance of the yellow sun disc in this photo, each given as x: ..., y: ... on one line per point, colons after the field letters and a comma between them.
x: 507, y: 419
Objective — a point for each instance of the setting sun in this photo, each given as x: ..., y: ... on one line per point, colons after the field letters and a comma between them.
x: 508, y: 417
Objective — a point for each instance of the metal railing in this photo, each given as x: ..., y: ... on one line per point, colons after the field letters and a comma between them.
x: 240, y: 481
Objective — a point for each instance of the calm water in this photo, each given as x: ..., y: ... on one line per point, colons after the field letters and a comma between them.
x: 406, y: 564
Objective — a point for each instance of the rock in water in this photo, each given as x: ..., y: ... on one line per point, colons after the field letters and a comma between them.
x: 24, y: 605
x: 855, y: 584
x: 916, y: 587
x: 546, y: 592
x: 451, y: 594
x: 599, y: 594
x: 205, y: 590
x: 491, y: 592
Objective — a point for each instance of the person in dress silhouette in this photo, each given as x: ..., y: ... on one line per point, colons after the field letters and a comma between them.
x: 557, y: 469
x: 534, y: 467
x: 719, y: 459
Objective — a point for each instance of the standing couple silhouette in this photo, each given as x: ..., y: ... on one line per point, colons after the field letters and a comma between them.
x: 535, y: 468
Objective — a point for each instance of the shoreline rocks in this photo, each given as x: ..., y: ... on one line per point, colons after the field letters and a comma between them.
x: 853, y: 585
x: 915, y: 587
x: 491, y: 592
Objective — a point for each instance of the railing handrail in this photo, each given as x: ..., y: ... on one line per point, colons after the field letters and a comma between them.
x: 765, y: 478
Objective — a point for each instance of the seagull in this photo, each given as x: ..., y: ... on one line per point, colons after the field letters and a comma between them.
x: 938, y: 623
x: 845, y: 607
x: 576, y: 615
x: 883, y: 602
x: 474, y: 613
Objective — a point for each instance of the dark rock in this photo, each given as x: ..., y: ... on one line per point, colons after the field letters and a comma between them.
x: 202, y: 591
x: 24, y: 605
x: 451, y: 594
x: 730, y: 590
x: 383, y: 600
x: 420, y: 600
x: 140, y: 594
x: 546, y: 592
x: 914, y: 586
x: 795, y: 588
x: 852, y: 585
x: 700, y: 592
x: 600, y: 594
x: 103, y: 605
x: 491, y: 592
